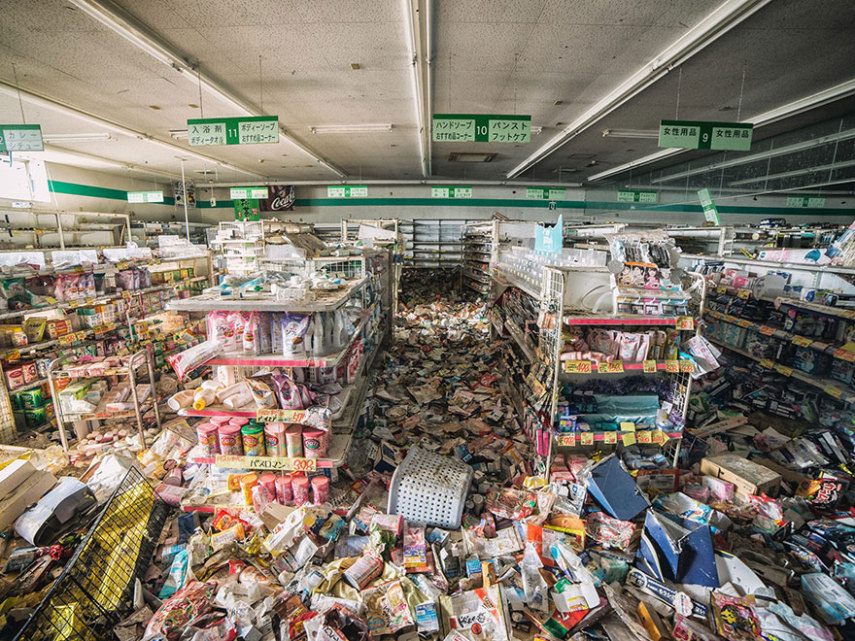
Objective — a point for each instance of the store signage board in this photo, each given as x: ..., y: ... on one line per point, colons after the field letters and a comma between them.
x: 258, y: 193
x: 805, y: 201
x: 451, y: 192
x: 247, y: 209
x: 251, y: 130
x: 481, y: 128
x: 145, y: 196
x: 21, y: 138
x: 710, y: 211
x: 545, y: 193
x: 347, y: 191
x: 692, y: 134
x: 549, y: 239
x: 629, y: 196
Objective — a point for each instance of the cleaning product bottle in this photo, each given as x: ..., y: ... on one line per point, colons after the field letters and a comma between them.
x: 319, y: 335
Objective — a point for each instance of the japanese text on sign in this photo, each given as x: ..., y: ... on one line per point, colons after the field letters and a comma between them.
x: 248, y: 192
x: 233, y: 131
x: 805, y: 201
x: 21, y: 138
x: 451, y: 192
x: 270, y: 463
x: 481, y: 128
x: 347, y: 191
x: 145, y: 196
x: 688, y: 134
x: 629, y: 196
x: 545, y: 193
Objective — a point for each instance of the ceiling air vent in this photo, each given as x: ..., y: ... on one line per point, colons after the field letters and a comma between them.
x: 462, y: 156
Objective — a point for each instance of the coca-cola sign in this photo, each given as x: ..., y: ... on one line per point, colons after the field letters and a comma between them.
x: 281, y: 198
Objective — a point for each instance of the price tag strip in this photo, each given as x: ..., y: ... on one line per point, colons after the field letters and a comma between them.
x: 319, y: 417
x: 267, y: 463
x: 627, y: 437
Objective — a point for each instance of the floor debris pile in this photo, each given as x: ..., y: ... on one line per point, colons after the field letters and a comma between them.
x: 476, y: 547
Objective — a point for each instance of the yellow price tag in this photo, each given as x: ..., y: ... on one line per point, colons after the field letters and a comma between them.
x: 672, y: 366
x: 610, y: 438
x: 627, y: 426
x: 644, y: 437
x: 727, y: 318
x: 50, y: 300
x: 844, y: 354
x: 685, y: 323
x: 586, y: 438
x: 577, y: 367
x: 721, y: 289
x: 833, y: 390
x: 767, y: 363
x: 660, y: 437
x: 743, y: 323
x: 649, y: 367
x: 13, y: 355
x: 687, y: 366
x: 743, y: 293
x: 567, y: 440
x: 802, y: 341
x: 782, y: 369
x: 767, y: 331
x: 628, y: 439
x: 615, y: 367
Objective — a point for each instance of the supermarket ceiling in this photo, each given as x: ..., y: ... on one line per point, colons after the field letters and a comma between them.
x: 132, y: 73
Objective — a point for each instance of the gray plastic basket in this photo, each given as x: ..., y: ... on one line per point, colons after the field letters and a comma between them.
x: 430, y: 488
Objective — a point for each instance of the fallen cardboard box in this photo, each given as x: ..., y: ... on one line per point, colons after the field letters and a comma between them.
x: 747, y: 476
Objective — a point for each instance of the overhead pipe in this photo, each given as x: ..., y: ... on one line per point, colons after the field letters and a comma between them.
x: 418, y: 182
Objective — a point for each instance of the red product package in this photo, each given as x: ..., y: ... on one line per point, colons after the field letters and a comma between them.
x: 182, y: 609
x: 511, y: 504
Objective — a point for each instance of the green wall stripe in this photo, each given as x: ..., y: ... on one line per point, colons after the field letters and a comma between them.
x: 91, y: 191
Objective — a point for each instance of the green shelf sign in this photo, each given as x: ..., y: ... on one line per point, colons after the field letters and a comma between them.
x: 258, y: 193
x: 347, y: 191
x: 806, y: 201
x: 631, y: 196
x: 451, y: 192
x: 481, y: 128
x: 545, y: 193
x: 707, y: 204
x: 145, y: 196
x: 717, y: 136
x: 251, y: 130
x: 21, y: 138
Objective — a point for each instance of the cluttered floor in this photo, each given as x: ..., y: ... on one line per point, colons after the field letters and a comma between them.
x: 492, y: 552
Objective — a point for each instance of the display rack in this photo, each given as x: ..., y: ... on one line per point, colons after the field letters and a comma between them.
x: 534, y: 319
x: 477, y: 250
x: 58, y: 370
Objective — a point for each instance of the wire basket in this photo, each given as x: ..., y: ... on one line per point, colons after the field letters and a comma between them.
x: 430, y: 488
x: 94, y: 591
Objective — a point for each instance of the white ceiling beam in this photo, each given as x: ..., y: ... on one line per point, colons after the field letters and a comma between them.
x: 795, y: 172
x: 417, y: 17
x: 57, y: 155
x: 142, y: 37
x: 70, y: 110
x: 727, y: 15
x: 800, y: 106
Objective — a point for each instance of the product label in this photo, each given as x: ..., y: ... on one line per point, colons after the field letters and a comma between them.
x: 269, y: 463
x: 577, y: 367
x: 586, y: 438
x: 615, y: 367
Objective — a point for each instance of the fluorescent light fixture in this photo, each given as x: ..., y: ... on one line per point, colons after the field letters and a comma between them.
x: 762, y: 155
x: 796, y: 172
x: 726, y: 16
x: 800, y: 106
x: 59, y: 139
x: 108, y: 14
x: 416, y: 52
x: 652, y: 134
x: 351, y: 129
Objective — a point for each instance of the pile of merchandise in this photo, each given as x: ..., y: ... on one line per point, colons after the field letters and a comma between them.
x: 725, y: 548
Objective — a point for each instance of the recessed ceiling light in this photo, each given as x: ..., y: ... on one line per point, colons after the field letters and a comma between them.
x: 558, y: 102
x: 354, y: 65
x: 365, y: 128
x: 726, y: 108
x: 462, y: 156
x: 193, y: 105
x: 560, y: 124
x: 155, y: 107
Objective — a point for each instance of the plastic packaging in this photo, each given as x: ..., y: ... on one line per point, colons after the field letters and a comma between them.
x: 181, y: 400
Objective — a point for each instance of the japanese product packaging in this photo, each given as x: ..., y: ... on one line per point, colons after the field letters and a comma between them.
x: 477, y: 614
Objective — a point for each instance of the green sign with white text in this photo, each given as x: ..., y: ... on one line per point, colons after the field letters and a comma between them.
x: 545, y: 193
x: 251, y: 130
x: 247, y: 209
x: 805, y: 201
x: 718, y: 136
x: 248, y: 192
x: 145, y: 196
x: 347, y: 191
x: 707, y: 204
x: 21, y: 138
x: 451, y: 192
x: 481, y: 128
x: 630, y: 196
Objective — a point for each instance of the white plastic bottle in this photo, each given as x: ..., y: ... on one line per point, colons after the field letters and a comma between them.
x: 319, y: 336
